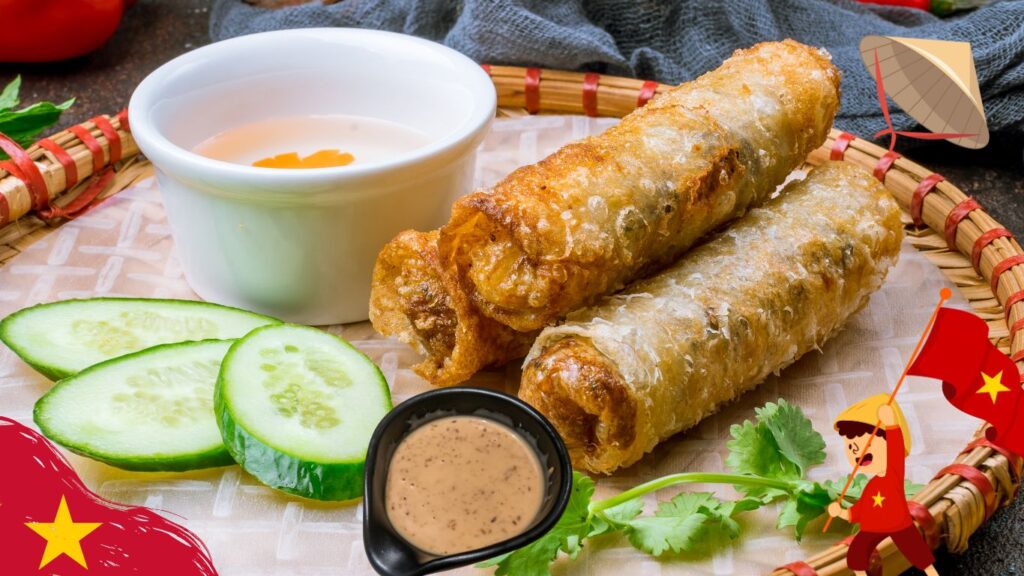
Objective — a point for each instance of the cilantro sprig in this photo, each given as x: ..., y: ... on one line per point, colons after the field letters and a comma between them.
x: 25, y: 124
x: 769, y: 458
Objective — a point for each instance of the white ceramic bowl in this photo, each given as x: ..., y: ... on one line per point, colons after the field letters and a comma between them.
x: 300, y: 244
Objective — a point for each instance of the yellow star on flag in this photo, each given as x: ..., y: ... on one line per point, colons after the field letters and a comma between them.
x: 63, y: 536
x: 993, y: 385
x: 878, y: 498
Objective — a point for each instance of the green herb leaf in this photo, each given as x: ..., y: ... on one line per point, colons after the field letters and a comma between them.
x: 566, y: 536
x: 726, y: 512
x: 809, y: 502
x: 689, y: 523
x: 753, y: 451
x: 24, y: 125
x: 794, y: 434
x: 775, y: 449
x: 9, y: 97
x: 746, y: 505
x: 656, y: 535
x: 835, y: 487
x: 781, y: 445
x: 623, y: 513
x: 678, y: 525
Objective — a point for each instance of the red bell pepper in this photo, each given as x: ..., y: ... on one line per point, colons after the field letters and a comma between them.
x: 939, y: 7
x: 48, y: 30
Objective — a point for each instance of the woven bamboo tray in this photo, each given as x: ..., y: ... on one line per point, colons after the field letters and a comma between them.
x: 973, y: 250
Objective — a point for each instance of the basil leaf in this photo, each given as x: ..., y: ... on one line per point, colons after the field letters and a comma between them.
x: 24, y: 125
x: 9, y: 97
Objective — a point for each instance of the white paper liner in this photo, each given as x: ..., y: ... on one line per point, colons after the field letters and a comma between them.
x: 124, y: 248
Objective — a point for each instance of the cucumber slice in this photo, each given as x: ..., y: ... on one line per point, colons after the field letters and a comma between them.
x: 150, y: 410
x: 61, y: 338
x: 296, y: 408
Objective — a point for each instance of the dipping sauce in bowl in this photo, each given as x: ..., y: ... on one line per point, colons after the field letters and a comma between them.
x: 306, y: 141
x: 456, y: 476
x: 348, y: 156
x: 463, y: 482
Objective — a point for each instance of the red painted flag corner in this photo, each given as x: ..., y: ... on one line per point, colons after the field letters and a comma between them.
x: 51, y: 524
x: 976, y: 377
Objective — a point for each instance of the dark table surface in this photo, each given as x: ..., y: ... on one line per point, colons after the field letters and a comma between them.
x: 154, y: 31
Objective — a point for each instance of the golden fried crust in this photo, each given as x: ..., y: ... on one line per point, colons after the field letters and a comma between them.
x: 680, y: 344
x: 414, y: 299
x: 582, y: 393
x: 601, y: 212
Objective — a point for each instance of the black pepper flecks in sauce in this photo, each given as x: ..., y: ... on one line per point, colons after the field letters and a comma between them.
x: 462, y: 482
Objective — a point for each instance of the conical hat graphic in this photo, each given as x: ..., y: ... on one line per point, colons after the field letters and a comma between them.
x: 933, y: 81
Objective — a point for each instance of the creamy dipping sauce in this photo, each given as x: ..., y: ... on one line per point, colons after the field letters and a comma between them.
x: 463, y: 482
x: 312, y: 142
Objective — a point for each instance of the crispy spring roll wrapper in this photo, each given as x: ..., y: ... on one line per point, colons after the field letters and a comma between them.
x: 414, y: 299
x: 604, y: 211
x: 640, y: 366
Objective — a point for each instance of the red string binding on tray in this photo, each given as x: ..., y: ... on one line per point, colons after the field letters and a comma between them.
x: 646, y: 93
x: 83, y: 201
x: 884, y: 164
x: 122, y: 116
x: 1017, y: 356
x: 1013, y: 299
x: 958, y: 213
x: 978, y: 479
x: 92, y: 144
x: 839, y: 147
x: 925, y: 522
x: 983, y: 241
x: 590, y: 82
x: 5, y: 208
x: 1016, y: 327
x: 531, y: 87
x: 113, y: 140
x: 487, y: 68
x: 1012, y: 458
x: 52, y: 211
x: 65, y: 160
x: 917, y: 200
x: 1003, y: 266
x: 800, y: 568
x: 27, y: 172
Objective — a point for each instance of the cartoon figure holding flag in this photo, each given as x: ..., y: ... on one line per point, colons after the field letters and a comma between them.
x: 882, y: 508
x: 976, y: 378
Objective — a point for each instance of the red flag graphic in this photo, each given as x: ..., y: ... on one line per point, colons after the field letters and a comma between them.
x: 976, y: 377
x: 50, y: 523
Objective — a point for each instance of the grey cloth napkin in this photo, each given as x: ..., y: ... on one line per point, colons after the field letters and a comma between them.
x: 675, y: 40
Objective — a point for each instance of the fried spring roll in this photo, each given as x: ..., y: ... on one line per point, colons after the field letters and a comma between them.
x: 601, y: 212
x: 416, y: 300
x: 619, y: 377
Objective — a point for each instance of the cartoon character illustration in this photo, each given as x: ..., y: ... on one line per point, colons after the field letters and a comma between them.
x: 882, y: 508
